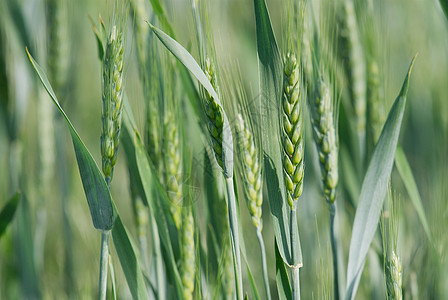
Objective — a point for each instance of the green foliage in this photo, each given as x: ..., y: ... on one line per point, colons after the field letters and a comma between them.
x: 374, y: 190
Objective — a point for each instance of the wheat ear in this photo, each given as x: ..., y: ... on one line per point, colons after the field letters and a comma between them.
x: 215, y: 116
x: 324, y: 134
x: 112, y: 101
x: 173, y: 167
x: 188, y: 255
x: 293, y: 167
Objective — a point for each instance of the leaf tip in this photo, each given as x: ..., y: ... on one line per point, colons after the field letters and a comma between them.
x: 405, y: 87
x: 150, y: 25
x: 29, y: 55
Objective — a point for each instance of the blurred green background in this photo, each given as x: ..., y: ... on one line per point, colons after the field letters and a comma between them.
x: 406, y: 27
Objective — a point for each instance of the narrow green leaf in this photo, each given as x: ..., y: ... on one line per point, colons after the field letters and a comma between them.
x: 253, y: 285
x: 129, y: 259
x: 99, y: 39
x: 373, y: 191
x: 8, y: 211
x: 444, y: 5
x: 283, y: 286
x: 190, y: 63
x: 405, y: 171
x: 271, y: 78
x: 112, y: 277
x: 100, y: 202
x: 95, y: 187
x: 29, y: 281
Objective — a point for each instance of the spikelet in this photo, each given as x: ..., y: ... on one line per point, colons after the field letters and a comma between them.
x: 138, y: 12
x: 112, y: 100
x: 293, y: 167
x: 188, y: 255
x: 58, y: 44
x: 324, y: 134
x: 215, y: 115
x: 374, y: 103
x: 173, y: 167
x: 251, y: 171
x: 394, y: 277
x: 353, y: 58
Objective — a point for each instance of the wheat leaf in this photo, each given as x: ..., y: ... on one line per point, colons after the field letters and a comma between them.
x: 373, y: 190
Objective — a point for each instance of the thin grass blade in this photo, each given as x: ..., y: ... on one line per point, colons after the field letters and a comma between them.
x: 405, y: 171
x: 374, y: 190
x: 129, y: 259
x: 283, y: 285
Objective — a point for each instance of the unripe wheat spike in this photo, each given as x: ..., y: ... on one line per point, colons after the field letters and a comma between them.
x: 173, y: 167
x: 324, y: 134
x: 393, y: 277
x: 251, y: 172
x: 214, y: 112
x: 188, y: 255
x: 293, y: 167
x: 112, y: 101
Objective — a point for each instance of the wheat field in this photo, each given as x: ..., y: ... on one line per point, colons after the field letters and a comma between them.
x: 239, y: 149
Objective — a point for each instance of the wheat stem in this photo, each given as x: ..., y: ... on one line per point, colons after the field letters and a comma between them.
x: 156, y: 249
x: 334, y: 250
x: 104, y: 264
x: 264, y: 264
x: 295, y: 278
x: 233, y: 222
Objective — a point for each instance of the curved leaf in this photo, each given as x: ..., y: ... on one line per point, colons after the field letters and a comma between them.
x: 100, y: 202
x: 190, y: 63
x: 129, y: 259
x: 373, y: 191
x: 405, y: 171
x: 95, y: 187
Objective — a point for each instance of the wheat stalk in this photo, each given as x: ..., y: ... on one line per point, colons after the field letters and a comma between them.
x: 112, y: 97
x: 324, y: 134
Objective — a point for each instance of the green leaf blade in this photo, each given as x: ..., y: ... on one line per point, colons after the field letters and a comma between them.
x: 95, y: 187
x: 283, y: 285
x: 129, y: 259
x: 374, y: 189
x: 405, y: 171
